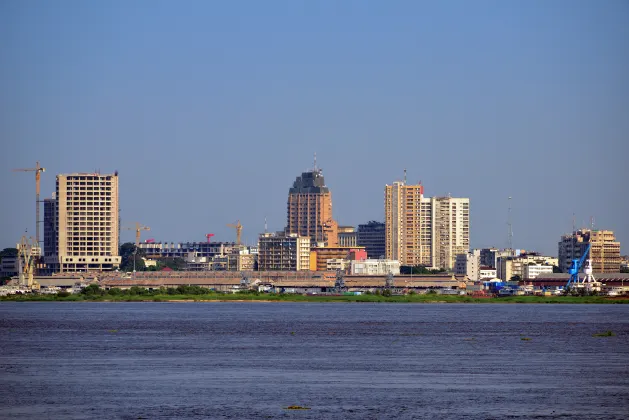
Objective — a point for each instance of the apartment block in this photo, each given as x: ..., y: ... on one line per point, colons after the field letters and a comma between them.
x: 309, y: 209
x: 283, y: 252
x: 604, y: 251
x: 425, y: 231
x: 81, y: 229
x: 372, y: 236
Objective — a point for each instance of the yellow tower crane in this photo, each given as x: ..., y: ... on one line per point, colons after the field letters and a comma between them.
x: 238, y: 228
x: 38, y: 170
x: 138, y: 228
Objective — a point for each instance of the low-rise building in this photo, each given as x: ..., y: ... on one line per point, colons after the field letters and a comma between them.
x: 487, y: 272
x: 337, y: 264
x: 375, y: 267
x: 513, y: 267
x: 319, y: 256
x: 532, y: 271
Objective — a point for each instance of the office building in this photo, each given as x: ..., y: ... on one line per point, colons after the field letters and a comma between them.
x: 347, y: 236
x: 310, y: 209
x: 81, y: 230
x: 604, y: 251
x: 372, y: 236
x: 425, y: 231
x: 283, y: 252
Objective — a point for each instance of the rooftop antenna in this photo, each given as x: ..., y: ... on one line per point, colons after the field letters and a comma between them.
x: 591, y: 222
x: 404, y: 176
x: 265, y: 226
x: 315, y: 161
x: 510, y: 226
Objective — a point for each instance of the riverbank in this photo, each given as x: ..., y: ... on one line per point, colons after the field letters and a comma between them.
x: 264, y: 297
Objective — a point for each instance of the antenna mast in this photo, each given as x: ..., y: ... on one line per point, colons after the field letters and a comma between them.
x: 404, y: 176
x: 315, y: 161
x: 510, y: 238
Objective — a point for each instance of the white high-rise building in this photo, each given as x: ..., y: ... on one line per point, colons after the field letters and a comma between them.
x: 425, y: 231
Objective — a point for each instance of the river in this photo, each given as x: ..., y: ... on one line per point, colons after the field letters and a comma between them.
x: 240, y: 360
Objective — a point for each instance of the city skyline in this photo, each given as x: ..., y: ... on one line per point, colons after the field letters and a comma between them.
x: 209, y: 123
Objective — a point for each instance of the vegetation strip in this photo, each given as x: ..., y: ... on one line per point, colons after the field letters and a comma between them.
x: 200, y: 294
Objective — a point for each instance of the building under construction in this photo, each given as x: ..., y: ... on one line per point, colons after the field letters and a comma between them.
x: 81, y: 229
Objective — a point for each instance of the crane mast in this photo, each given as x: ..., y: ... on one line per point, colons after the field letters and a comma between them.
x: 238, y: 228
x: 38, y: 170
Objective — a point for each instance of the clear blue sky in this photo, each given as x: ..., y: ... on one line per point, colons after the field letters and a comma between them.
x: 209, y: 110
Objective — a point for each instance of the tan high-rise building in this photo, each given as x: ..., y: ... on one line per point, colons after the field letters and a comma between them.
x: 604, y: 252
x: 310, y: 209
x: 424, y: 231
x: 85, y: 228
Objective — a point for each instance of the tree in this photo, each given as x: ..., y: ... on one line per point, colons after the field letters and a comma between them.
x: 624, y: 269
x: 516, y: 278
x: 420, y: 269
x: 8, y: 252
x: 556, y: 269
x: 128, y: 253
x: 176, y: 264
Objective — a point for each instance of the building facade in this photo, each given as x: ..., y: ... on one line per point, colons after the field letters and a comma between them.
x: 531, y: 271
x: 347, y: 236
x: 372, y: 236
x: 604, y: 251
x: 81, y: 223
x: 375, y: 267
x: 512, y: 267
x: 283, y: 252
x: 309, y: 209
x: 425, y: 231
x: 319, y: 256
x: 469, y: 265
x: 487, y: 272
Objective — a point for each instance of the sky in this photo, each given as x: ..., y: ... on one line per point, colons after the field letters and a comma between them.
x: 209, y: 110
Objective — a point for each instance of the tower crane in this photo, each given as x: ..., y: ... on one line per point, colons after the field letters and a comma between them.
x: 138, y: 228
x: 208, y: 236
x: 38, y: 170
x: 576, y: 267
x: 238, y: 228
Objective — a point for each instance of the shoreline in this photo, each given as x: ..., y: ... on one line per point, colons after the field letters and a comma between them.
x: 415, y: 299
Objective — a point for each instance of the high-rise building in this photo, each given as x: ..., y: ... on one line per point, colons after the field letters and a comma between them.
x: 81, y: 229
x: 372, y: 236
x: 425, y: 231
x: 604, y: 252
x: 283, y: 252
x: 310, y: 209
